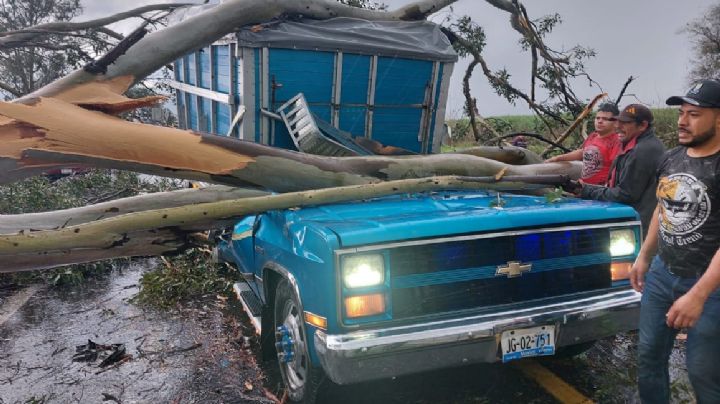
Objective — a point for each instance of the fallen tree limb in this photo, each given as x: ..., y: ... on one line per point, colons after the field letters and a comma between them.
x: 51, y: 132
x: 585, y: 112
x: 139, y: 244
x: 17, y: 38
x: 159, y: 230
x: 28, y: 222
x: 506, y: 154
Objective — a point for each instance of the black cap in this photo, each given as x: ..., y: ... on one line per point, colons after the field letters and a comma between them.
x: 636, y: 113
x: 704, y: 93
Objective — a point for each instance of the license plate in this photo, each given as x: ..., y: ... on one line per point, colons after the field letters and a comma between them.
x: 527, y: 342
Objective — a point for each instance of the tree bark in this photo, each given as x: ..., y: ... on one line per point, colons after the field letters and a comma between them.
x: 69, y: 122
x: 52, y: 132
x: 29, y: 222
x: 507, y: 154
x: 469, y: 100
x: 163, y: 230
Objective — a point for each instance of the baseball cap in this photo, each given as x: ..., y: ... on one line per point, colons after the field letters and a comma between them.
x: 635, y: 113
x: 704, y: 93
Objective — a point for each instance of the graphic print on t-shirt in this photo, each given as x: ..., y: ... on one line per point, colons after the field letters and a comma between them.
x: 684, y: 207
x: 592, y: 161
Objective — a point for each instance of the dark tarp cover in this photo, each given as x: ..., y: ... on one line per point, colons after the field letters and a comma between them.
x: 409, y: 39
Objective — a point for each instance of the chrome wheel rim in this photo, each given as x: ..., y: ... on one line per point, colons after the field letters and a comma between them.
x: 296, y: 369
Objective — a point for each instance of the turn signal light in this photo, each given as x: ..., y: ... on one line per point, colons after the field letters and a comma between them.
x: 317, y: 321
x: 620, y: 270
x: 364, y: 305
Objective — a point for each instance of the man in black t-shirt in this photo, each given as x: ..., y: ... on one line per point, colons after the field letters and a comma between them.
x: 681, y: 288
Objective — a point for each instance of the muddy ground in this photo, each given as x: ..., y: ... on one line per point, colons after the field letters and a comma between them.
x: 206, y: 352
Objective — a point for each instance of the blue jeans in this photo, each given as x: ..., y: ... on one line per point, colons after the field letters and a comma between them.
x: 656, y: 339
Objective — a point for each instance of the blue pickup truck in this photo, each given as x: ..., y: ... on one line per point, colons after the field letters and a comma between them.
x: 402, y: 284
x: 407, y: 283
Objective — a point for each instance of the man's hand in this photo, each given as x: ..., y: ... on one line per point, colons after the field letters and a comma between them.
x: 637, y: 274
x: 686, y: 311
x: 573, y: 187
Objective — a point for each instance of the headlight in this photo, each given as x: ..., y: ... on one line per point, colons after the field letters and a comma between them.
x: 363, y: 270
x: 622, y: 242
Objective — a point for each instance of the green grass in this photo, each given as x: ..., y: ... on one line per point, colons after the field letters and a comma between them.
x: 665, y: 127
x: 184, y: 277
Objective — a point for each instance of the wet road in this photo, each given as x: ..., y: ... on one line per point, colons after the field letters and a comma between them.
x: 190, y: 355
x: 207, y: 354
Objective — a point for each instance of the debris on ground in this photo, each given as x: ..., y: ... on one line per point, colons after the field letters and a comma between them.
x: 110, y: 354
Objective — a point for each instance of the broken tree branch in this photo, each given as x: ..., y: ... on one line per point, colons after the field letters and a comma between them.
x: 52, y: 132
x: 580, y: 118
x: 624, y: 88
x: 18, y: 38
x: 111, y: 234
x: 29, y: 222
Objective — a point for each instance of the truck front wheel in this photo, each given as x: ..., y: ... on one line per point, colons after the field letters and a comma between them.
x: 300, y: 377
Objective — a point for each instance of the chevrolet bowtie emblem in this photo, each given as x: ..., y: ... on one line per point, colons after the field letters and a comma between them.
x: 513, y: 269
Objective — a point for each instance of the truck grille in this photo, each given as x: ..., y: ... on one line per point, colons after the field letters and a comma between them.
x: 457, y: 275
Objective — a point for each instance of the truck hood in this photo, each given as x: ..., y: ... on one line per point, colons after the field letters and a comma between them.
x: 420, y: 216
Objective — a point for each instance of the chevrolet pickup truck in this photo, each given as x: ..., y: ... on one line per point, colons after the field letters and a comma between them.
x: 402, y: 284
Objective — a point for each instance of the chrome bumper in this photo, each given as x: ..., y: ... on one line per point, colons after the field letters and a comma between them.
x: 382, y: 353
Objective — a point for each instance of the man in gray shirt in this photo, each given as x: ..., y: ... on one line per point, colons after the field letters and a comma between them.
x: 632, y: 178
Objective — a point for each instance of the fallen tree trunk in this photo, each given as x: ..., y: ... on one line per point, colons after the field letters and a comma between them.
x: 76, y: 126
x: 28, y: 222
x: 138, y: 244
x: 506, y: 154
x: 163, y: 230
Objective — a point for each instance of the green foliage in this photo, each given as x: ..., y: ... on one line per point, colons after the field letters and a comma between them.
x: 666, y: 125
x: 184, y: 277
x: 665, y: 128
x: 554, y: 196
x: 552, y: 70
x: 39, y: 194
x: 502, y: 125
x: 472, y: 33
x: 545, y: 24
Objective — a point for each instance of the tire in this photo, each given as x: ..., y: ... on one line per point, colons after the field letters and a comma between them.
x: 301, y: 379
x: 574, y: 350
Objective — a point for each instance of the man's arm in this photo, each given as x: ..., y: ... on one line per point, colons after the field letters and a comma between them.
x: 631, y: 182
x: 686, y: 310
x: 646, y: 254
x: 575, y: 155
x: 601, y: 193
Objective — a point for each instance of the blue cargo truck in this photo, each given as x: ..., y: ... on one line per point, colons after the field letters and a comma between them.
x: 401, y: 284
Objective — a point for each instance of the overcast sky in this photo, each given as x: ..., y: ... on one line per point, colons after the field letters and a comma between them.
x: 641, y: 38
